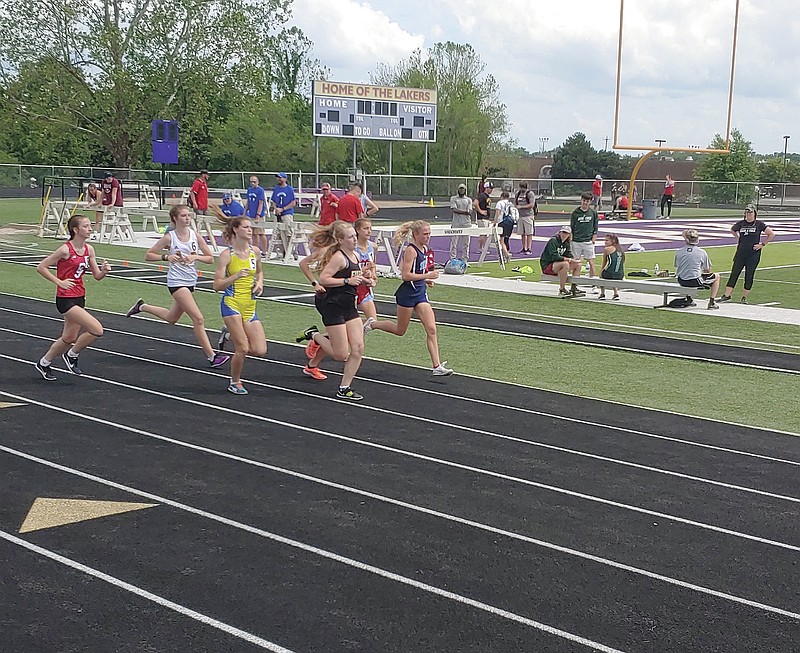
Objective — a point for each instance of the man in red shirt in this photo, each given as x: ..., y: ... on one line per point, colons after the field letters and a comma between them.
x: 597, y: 192
x: 198, y: 194
x: 350, y: 207
x: 328, y: 204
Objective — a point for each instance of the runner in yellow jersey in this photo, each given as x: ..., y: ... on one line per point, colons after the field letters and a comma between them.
x: 241, y: 279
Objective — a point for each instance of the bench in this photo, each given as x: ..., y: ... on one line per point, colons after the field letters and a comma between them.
x: 663, y: 288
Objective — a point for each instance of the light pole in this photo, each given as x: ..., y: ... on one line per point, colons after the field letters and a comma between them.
x: 542, y: 142
x: 785, y: 150
x: 661, y: 141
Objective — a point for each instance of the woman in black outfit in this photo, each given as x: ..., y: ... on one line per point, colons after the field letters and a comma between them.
x: 748, y: 252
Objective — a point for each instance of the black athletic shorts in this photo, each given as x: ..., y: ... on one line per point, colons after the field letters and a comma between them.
x: 338, y: 309
x: 704, y: 281
x: 63, y: 304
x: 174, y: 289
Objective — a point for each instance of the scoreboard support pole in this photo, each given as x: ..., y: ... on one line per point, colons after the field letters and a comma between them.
x: 425, y: 174
x: 390, y: 167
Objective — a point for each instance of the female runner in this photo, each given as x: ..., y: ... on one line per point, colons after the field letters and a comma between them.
x: 417, y: 273
x: 185, y: 248
x: 241, y: 279
x: 365, y: 250
x: 81, y: 329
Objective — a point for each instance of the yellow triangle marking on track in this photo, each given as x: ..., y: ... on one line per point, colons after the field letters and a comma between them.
x: 8, y: 404
x: 48, y: 513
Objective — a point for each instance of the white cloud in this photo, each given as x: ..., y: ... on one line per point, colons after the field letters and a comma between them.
x: 556, y: 61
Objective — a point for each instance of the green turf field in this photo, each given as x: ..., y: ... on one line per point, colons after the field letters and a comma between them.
x: 697, y: 388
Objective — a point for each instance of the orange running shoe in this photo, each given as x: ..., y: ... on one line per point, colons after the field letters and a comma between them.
x: 315, y: 373
x: 311, y: 349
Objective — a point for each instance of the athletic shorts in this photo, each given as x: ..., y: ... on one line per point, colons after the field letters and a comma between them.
x: 63, y: 304
x: 369, y: 297
x: 506, y: 229
x: 484, y: 222
x: 704, y: 281
x: 525, y: 226
x: 549, y: 270
x: 604, y: 274
x: 337, y: 310
x: 585, y: 250
x: 244, y: 308
x: 409, y: 297
x: 174, y: 289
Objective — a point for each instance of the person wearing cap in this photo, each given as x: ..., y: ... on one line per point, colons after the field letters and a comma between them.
x: 557, y: 260
x: 283, y: 200
x: 328, y: 205
x: 230, y: 208
x: 525, y: 200
x: 748, y: 251
x: 350, y: 207
x: 112, y: 196
x: 584, y: 223
x: 693, y: 267
x: 597, y: 191
x: 198, y: 194
x: 460, y: 206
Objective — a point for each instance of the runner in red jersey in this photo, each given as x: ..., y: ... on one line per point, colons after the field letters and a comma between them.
x: 81, y: 329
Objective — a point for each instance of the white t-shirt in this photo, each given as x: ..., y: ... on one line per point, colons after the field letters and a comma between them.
x: 502, y: 208
x: 691, y: 261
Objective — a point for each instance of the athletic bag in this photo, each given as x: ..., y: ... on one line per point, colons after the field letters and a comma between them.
x: 455, y: 266
x: 681, y: 302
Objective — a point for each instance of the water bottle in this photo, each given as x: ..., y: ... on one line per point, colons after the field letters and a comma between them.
x: 656, y: 269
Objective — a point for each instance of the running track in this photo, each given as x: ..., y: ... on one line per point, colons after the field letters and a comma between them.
x: 490, y: 518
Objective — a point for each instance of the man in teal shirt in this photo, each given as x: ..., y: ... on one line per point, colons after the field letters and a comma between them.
x: 584, y: 231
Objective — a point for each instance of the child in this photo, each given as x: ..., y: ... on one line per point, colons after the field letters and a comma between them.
x: 81, y: 329
x: 241, y: 279
x: 417, y: 273
x: 613, y: 263
x: 335, y: 254
x: 183, y: 244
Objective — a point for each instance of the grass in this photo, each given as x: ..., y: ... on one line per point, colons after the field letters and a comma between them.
x: 689, y: 387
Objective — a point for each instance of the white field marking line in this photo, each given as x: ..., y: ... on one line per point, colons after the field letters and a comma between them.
x: 330, y: 555
x: 772, y: 303
x: 154, y: 598
x: 493, y: 405
x: 664, y: 411
x: 437, y: 461
x: 295, y: 296
x: 410, y: 506
x: 470, y: 429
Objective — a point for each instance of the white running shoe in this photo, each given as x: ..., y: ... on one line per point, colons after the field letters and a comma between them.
x: 441, y: 370
x: 368, y: 324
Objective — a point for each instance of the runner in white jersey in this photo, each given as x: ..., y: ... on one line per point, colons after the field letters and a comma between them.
x: 183, y: 249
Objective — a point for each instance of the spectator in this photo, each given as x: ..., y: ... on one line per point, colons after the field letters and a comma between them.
x: 666, y: 198
x: 369, y: 207
x: 748, y: 251
x: 461, y: 206
x: 112, y: 196
x: 557, y: 260
x: 584, y: 232
x: 350, y: 207
x: 328, y: 205
x: 256, y: 209
x: 198, y: 194
x: 597, y: 192
x: 94, y: 200
x: 483, y: 208
x: 481, y: 186
x: 283, y: 200
x: 230, y: 208
x: 528, y: 210
x: 613, y: 263
x: 504, y: 218
x: 694, y: 267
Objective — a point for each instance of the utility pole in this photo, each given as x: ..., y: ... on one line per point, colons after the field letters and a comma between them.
x: 661, y: 142
x: 785, y: 150
x: 606, y: 139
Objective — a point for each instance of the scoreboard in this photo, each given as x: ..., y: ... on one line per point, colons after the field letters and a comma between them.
x: 374, y: 112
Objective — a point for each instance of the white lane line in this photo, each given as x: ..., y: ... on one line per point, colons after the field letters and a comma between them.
x: 493, y: 405
x: 610, y: 402
x: 461, y: 427
x: 406, y: 505
x: 284, y: 297
x: 308, y: 548
x: 436, y: 461
x: 154, y: 598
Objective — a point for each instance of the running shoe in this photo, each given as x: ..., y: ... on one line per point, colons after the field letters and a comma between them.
x: 348, y: 393
x: 311, y: 349
x: 564, y: 293
x: 615, y: 297
x: 743, y: 300
x: 577, y: 293
x: 441, y: 370
x: 308, y: 334
x: 219, y: 359
x: 724, y: 298
x: 46, y: 372
x: 601, y: 297
x: 135, y: 309
x: 368, y: 324
x: 712, y: 305
x: 72, y: 363
x: 315, y: 373
x: 224, y: 336
x: 237, y: 389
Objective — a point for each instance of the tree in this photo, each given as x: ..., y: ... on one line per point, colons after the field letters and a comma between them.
x: 771, y: 171
x: 738, y: 166
x: 112, y: 66
x: 577, y: 159
x: 471, y: 120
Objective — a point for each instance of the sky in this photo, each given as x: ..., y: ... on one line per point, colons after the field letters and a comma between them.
x: 555, y: 62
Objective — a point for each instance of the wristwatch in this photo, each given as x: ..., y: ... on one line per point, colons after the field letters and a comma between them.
x: 314, y: 284
x: 346, y: 282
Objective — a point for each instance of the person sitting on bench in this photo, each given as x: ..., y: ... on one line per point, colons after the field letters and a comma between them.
x: 557, y: 261
x: 694, y: 267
